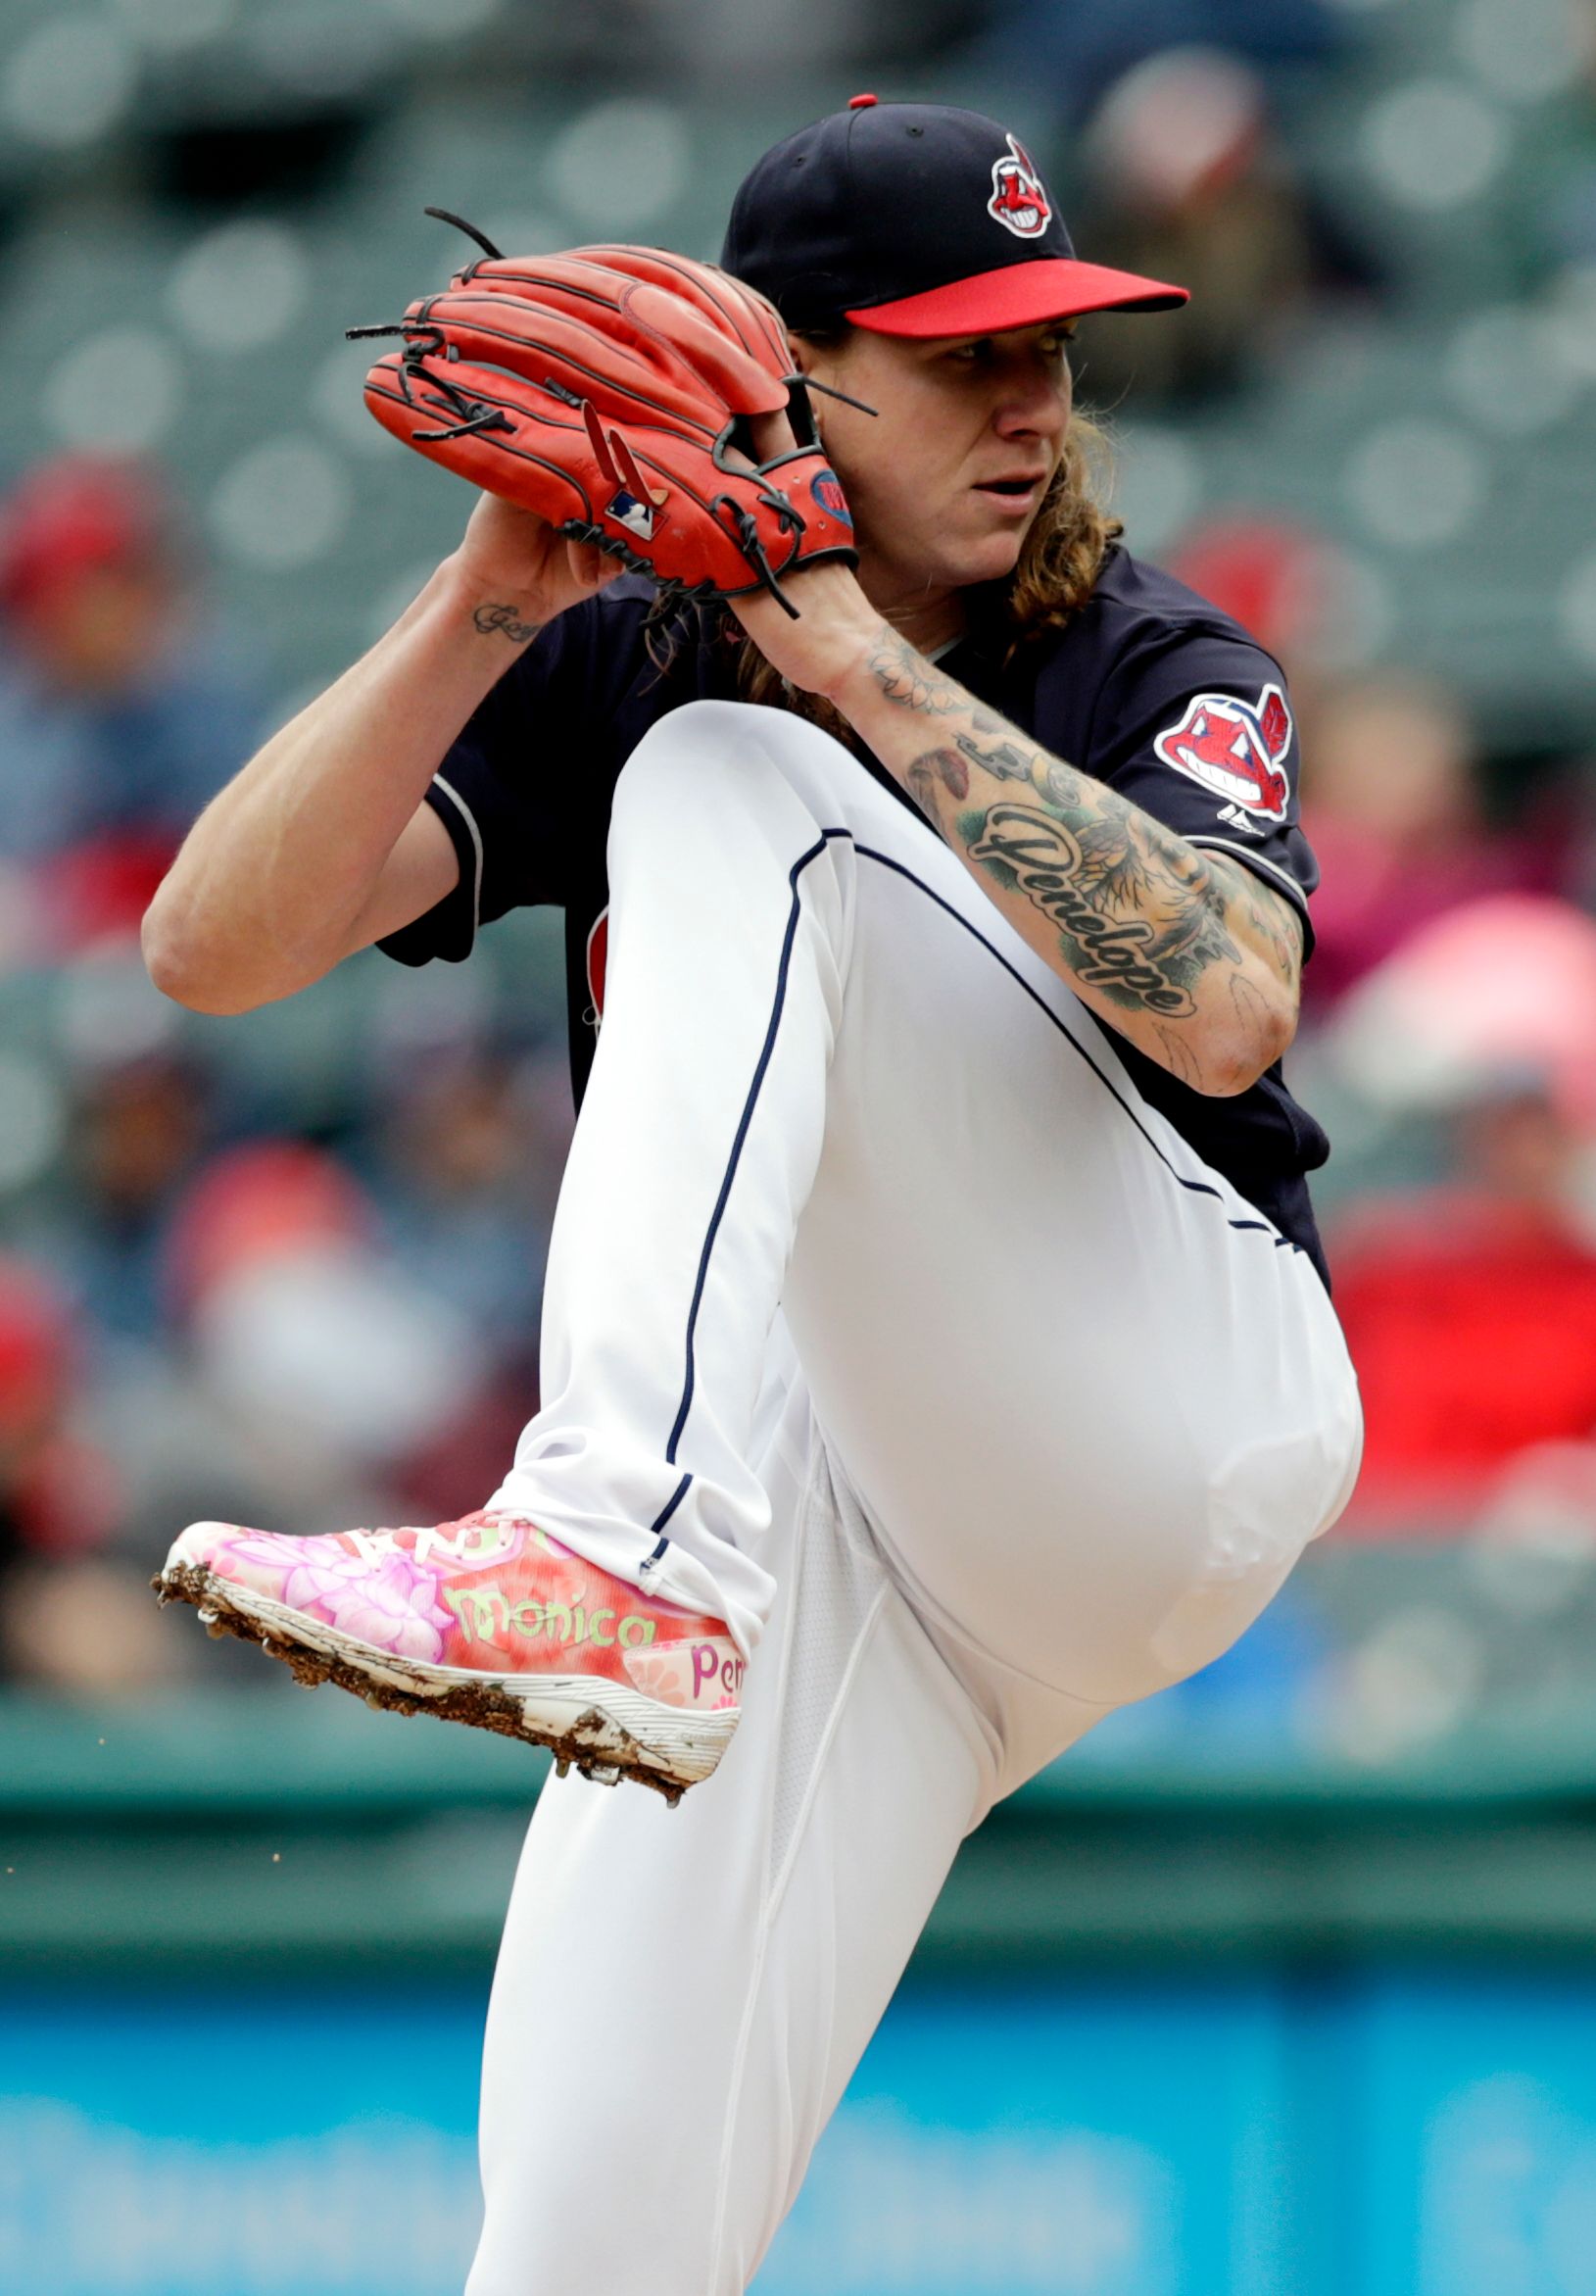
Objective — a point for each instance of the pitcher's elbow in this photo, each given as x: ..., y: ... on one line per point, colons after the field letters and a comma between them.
x: 173, y: 967
x: 1235, y: 1064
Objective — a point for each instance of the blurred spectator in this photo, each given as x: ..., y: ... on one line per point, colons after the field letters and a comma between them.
x: 1392, y: 807
x: 138, y: 1130
x: 1471, y: 1307
x: 726, y: 42
x: 71, y: 1619
x: 471, y: 1149
x: 1497, y: 988
x: 1187, y: 181
x: 1306, y: 599
x: 1551, y: 193
x: 1275, y: 578
x: 1076, y: 49
x: 117, y: 721
x: 335, y: 1361
x: 1470, y: 1313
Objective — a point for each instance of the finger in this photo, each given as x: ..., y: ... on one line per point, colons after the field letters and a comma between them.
x: 591, y: 566
x: 772, y: 435
x: 526, y: 522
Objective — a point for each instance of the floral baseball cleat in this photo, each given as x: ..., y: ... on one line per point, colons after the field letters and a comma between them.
x: 487, y: 1620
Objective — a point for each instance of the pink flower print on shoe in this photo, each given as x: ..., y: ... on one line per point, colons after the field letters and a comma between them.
x: 390, y: 1600
x: 487, y: 1620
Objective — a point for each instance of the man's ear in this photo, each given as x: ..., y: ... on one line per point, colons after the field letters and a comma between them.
x: 805, y: 358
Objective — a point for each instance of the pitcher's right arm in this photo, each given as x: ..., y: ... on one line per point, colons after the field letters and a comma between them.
x: 324, y: 843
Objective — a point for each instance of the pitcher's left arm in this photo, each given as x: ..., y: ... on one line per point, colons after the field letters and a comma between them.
x: 1186, y: 954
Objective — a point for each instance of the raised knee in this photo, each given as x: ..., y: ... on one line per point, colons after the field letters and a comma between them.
x: 705, y: 753
x: 693, y: 737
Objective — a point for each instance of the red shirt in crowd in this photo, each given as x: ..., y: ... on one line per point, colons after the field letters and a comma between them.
x: 1473, y: 1327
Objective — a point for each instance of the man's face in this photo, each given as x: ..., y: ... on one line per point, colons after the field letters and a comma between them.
x: 95, y: 630
x: 946, y: 477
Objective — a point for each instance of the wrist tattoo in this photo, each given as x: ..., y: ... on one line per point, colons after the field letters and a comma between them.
x: 504, y: 619
x: 905, y: 675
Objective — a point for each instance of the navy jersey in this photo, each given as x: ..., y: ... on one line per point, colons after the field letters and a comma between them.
x: 1149, y: 688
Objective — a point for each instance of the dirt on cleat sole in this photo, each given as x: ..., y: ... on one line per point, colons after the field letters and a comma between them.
x: 594, y: 1742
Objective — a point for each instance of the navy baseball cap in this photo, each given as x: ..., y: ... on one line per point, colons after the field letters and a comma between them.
x: 915, y: 219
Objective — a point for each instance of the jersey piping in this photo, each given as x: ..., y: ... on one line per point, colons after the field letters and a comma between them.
x: 469, y: 818
x: 1256, y: 860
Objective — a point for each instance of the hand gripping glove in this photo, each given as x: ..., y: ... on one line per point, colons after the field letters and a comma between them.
x: 611, y: 390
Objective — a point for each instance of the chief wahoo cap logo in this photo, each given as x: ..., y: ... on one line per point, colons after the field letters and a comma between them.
x: 1018, y: 201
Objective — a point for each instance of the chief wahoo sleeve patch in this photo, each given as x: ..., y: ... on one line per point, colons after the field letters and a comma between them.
x: 1234, y: 748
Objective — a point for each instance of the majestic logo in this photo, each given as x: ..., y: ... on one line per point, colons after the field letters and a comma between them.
x: 1234, y: 748
x: 1018, y: 201
x: 827, y: 489
x: 640, y: 518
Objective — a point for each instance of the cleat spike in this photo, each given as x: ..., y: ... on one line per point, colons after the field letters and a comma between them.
x: 562, y: 1766
x: 215, y: 1628
x: 373, y: 1701
x: 600, y: 1772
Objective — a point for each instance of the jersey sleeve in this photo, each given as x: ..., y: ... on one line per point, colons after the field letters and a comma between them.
x: 502, y: 793
x: 1197, y: 729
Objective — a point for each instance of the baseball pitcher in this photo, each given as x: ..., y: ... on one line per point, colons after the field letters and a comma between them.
x: 937, y: 1351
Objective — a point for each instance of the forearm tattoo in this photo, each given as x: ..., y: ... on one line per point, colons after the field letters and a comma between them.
x: 1152, y: 924
x: 507, y: 622
x: 945, y: 766
x: 1137, y: 925
x: 1273, y: 922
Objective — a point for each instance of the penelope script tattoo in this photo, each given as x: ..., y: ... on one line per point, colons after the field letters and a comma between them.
x: 1111, y: 944
x: 505, y: 620
x: 1164, y: 932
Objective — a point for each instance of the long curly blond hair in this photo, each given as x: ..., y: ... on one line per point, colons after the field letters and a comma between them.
x: 1058, y: 570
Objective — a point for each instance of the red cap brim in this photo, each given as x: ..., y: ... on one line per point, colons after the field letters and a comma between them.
x: 1019, y: 295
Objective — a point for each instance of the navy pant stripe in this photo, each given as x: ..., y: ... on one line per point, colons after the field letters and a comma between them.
x: 766, y: 1051
x: 666, y: 1513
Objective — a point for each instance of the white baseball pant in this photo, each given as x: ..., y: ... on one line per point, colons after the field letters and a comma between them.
x: 887, y: 1319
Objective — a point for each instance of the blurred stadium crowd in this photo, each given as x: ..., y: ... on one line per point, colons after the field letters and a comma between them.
x: 286, y: 1268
